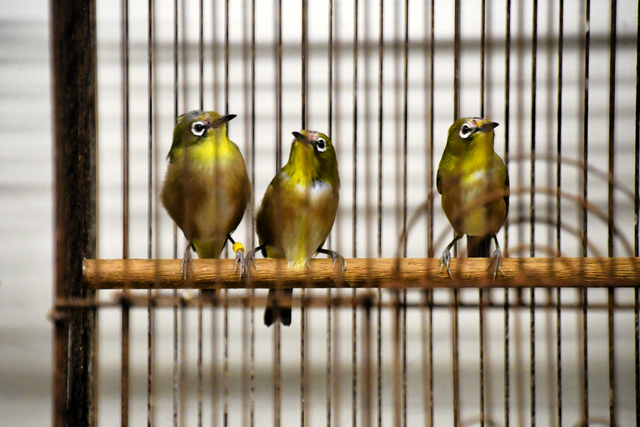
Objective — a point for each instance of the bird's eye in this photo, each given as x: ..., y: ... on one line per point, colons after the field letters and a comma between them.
x: 321, y: 145
x: 465, y: 131
x: 198, y: 128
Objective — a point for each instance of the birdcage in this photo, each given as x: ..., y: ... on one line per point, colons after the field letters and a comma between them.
x: 553, y: 340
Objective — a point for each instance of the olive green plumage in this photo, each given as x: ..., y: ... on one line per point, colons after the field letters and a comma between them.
x: 474, y: 184
x: 206, y: 188
x: 298, y: 211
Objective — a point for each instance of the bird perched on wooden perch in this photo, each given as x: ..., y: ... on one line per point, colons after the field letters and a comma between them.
x: 206, y: 189
x: 297, y: 213
x: 474, y: 184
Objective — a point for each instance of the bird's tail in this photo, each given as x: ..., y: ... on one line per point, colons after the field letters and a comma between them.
x: 479, y: 247
x: 208, y: 250
x: 209, y: 293
x: 278, y: 307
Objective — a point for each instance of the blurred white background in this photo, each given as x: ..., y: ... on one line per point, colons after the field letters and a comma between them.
x: 26, y: 172
x: 25, y: 214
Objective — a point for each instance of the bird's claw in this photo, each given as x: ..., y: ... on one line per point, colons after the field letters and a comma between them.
x: 245, y: 267
x: 186, y: 268
x: 239, y: 265
x: 444, y: 260
x: 238, y: 248
x: 336, y: 257
x: 497, y: 256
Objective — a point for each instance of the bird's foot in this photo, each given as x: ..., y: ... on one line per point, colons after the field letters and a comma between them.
x: 497, y: 258
x: 336, y: 257
x: 444, y: 260
x: 245, y: 266
x: 238, y: 248
x: 186, y: 267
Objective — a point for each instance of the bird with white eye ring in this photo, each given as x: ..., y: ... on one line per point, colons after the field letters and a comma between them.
x: 206, y: 189
x: 297, y: 213
x: 474, y: 184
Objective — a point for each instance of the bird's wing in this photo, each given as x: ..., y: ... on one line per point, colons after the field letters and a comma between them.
x: 502, y: 170
x: 506, y: 197
x: 438, y: 181
x: 265, y: 216
x: 239, y: 190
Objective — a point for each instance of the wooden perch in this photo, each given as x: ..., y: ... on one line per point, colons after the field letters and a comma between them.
x: 421, y: 273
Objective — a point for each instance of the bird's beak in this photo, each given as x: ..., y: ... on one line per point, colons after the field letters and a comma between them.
x: 488, y: 126
x: 222, y: 120
x: 301, y: 137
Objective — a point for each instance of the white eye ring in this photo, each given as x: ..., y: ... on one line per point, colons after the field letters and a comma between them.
x: 465, y: 131
x: 321, y: 145
x: 198, y: 128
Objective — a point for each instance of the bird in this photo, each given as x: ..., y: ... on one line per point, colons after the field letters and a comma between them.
x: 206, y: 188
x: 474, y: 185
x: 297, y: 213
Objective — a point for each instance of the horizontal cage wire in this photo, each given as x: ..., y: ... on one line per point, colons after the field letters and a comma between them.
x: 552, y: 338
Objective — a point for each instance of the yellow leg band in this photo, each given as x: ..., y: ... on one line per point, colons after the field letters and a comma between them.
x: 237, y: 246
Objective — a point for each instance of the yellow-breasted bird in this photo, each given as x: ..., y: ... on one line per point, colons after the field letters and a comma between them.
x: 474, y: 184
x: 297, y: 213
x: 206, y: 189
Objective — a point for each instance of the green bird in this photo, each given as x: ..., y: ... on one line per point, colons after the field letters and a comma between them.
x: 474, y: 184
x: 297, y: 213
x: 206, y: 189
